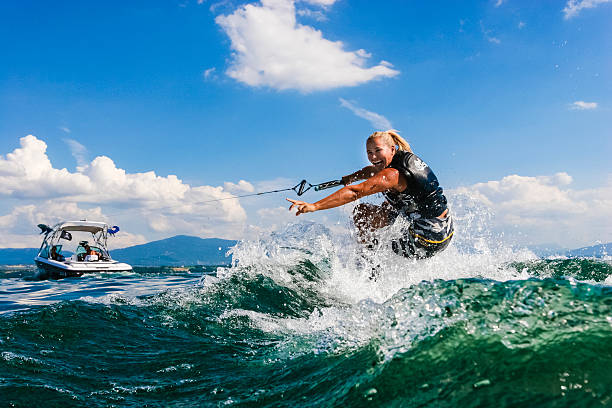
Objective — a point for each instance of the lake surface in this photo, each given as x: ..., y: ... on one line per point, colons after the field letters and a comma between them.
x: 297, y: 321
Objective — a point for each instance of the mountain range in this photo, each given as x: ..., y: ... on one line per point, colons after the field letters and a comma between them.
x: 595, y: 251
x: 187, y: 250
x: 176, y: 251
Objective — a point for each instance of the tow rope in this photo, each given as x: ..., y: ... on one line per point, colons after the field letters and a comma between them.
x: 300, y: 188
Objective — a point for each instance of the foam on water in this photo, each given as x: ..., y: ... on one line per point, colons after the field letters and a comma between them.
x: 309, y: 258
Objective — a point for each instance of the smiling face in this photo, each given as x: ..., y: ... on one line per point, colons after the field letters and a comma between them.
x: 380, y: 152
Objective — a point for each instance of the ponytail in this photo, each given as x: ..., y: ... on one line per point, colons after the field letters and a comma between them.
x: 393, y: 138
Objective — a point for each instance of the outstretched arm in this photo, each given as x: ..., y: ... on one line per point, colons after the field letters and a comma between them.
x: 384, y: 180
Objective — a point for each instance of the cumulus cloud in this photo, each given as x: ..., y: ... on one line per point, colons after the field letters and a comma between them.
x: 271, y: 49
x: 582, y: 105
x: 574, y: 7
x: 546, y: 209
x: 378, y: 122
x: 27, y: 172
x: 27, y: 175
x: 19, y: 226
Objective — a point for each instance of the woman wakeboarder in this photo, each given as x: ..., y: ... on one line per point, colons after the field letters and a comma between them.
x: 411, y: 190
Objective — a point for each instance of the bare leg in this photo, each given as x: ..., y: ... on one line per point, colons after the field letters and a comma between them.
x: 368, y: 218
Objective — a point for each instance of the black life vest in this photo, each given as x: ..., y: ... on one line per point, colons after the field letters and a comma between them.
x: 423, y: 195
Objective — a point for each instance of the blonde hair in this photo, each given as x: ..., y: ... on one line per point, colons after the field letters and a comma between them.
x: 392, y: 138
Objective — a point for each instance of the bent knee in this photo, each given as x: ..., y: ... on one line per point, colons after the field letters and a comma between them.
x: 362, y: 212
x: 364, y: 208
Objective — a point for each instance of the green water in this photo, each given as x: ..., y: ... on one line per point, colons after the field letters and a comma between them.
x: 287, y: 327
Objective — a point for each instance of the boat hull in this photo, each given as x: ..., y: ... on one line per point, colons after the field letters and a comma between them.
x: 59, y: 269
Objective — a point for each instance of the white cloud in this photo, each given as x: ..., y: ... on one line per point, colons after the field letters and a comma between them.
x: 324, y: 3
x: 64, y: 129
x: 79, y: 152
x: 521, y: 25
x: 315, y: 14
x: 237, y: 188
x: 19, y: 227
x: 377, y: 121
x: 271, y: 49
x: 499, y: 3
x: 209, y: 73
x: 582, y: 105
x: 27, y: 172
x: 573, y: 7
x: 222, y: 3
x: 546, y: 209
x: 27, y: 175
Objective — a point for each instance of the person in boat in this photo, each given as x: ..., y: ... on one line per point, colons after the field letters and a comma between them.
x: 55, y: 253
x: 411, y: 190
x: 89, y: 251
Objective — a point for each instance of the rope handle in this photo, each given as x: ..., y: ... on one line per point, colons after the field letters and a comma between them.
x: 303, y: 186
x: 328, y: 184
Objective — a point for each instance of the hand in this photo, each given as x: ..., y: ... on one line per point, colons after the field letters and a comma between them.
x: 302, y: 207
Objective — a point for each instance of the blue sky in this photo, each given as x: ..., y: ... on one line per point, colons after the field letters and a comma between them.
x: 508, y: 101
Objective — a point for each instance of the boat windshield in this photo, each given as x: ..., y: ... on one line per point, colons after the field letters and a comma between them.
x: 85, y: 249
x: 81, y: 249
x: 53, y: 252
x: 44, y: 252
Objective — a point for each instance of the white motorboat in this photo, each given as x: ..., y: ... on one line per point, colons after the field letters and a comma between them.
x: 90, y: 255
